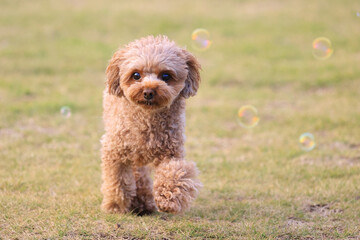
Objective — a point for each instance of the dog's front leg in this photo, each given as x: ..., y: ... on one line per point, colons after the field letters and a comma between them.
x: 119, y: 187
x: 175, y: 185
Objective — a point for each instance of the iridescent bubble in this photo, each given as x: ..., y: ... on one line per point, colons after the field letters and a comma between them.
x: 201, y: 39
x: 247, y: 116
x: 307, y: 142
x: 322, y: 48
x: 65, y: 111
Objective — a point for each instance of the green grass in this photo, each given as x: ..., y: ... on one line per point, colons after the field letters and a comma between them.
x: 258, y: 183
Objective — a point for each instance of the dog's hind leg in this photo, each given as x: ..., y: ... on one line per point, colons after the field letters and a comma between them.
x: 144, y: 202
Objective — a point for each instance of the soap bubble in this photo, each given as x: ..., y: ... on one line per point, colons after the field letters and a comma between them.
x: 247, y: 116
x: 322, y: 48
x: 201, y: 39
x: 65, y: 111
x: 307, y: 142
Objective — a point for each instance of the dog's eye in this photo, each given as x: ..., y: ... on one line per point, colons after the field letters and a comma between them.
x: 165, y: 77
x: 136, y: 76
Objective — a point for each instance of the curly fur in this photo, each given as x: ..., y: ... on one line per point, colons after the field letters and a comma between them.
x: 175, y: 186
x: 140, y: 133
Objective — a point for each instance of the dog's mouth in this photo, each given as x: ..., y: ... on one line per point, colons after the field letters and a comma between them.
x: 148, y: 103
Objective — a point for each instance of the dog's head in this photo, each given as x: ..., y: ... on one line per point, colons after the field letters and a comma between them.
x: 152, y: 72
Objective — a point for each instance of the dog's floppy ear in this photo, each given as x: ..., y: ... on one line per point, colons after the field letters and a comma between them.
x: 113, y: 74
x: 193, y: 78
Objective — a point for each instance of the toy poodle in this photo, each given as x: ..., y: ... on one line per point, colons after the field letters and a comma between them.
x: 144, y: 117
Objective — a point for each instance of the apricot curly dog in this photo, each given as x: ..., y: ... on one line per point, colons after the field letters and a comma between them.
x: 144, y: 116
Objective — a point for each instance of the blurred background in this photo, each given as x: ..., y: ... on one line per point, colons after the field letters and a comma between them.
x: 53, y: 55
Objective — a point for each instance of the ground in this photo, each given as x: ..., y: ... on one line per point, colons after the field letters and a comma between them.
x: 258, y: 183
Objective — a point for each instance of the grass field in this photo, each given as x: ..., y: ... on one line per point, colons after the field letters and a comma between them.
x: 258, y: 183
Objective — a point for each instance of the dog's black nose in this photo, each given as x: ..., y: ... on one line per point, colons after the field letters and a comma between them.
x: 149, y: 94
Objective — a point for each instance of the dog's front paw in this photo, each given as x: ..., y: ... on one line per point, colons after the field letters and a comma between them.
x: 175, y: 186
x: 168, y: 204
x: 110, y: 206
